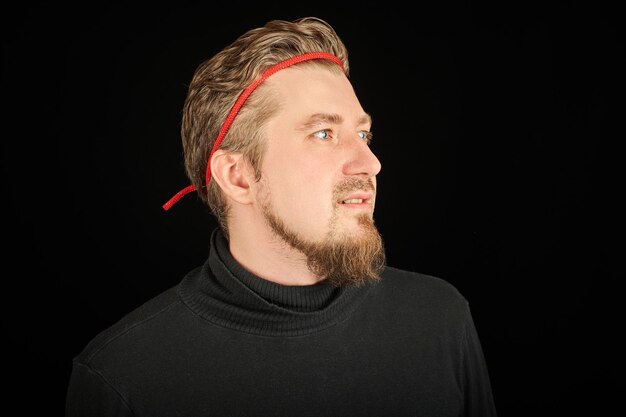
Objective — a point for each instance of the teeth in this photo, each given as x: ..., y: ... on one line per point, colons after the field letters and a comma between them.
x: 353, y: 201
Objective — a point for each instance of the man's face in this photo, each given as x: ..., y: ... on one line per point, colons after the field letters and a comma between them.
x: 318, y: 186
x: 314, y: 145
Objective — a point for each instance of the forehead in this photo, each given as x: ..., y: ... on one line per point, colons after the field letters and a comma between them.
x: 302, y: 91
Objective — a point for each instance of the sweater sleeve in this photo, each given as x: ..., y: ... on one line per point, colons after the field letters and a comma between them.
x: 479, y: 400
x: 89, y: 394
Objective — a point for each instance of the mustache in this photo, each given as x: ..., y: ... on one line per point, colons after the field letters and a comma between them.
x: 353, y: 184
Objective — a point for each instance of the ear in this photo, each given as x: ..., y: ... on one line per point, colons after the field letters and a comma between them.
x: 232, y: 173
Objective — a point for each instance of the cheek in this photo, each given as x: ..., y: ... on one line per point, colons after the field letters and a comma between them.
x: 303, y: 191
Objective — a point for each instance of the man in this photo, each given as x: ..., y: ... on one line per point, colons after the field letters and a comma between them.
x: 294, y: 311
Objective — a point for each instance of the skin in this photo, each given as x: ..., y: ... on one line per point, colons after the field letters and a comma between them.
x: 311, y: 163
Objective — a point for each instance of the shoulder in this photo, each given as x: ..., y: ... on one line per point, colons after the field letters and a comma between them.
x: 132, y: 327
x: 417, y: 293
x: 420, y: 285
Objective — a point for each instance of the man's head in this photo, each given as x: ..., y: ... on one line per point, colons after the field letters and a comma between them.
x: 219, y: 81
x: 297, y: 153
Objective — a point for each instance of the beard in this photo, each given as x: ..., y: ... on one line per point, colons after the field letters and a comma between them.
x: 339, y: 259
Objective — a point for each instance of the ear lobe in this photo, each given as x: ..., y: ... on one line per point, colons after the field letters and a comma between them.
x: 228, y: 169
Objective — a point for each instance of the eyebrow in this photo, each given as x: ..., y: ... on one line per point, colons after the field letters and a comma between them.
x: 331, y: 118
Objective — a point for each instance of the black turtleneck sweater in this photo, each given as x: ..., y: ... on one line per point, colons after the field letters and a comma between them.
x: 224, y: 342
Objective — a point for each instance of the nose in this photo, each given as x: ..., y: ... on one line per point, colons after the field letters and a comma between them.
x: 361, y: 160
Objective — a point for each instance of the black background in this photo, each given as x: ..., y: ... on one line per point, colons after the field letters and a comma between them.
x: 496, y: 126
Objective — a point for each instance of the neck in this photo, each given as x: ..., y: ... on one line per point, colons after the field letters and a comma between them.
x: 258, y: 249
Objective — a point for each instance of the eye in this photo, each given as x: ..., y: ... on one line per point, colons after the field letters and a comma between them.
x: 367, y: 136
x: 322, y: 134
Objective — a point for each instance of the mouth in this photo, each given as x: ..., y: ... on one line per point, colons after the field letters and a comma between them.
x: 357, y: 200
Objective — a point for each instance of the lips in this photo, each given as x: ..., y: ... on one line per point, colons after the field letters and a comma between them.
x: 357, y: 198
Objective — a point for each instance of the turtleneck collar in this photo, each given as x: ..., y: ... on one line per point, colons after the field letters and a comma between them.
x: 223, y: 292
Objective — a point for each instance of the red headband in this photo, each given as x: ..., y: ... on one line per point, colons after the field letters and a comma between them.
x: 239, y: 103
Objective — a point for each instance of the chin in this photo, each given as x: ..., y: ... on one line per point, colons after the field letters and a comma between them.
x: 357, y: 225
